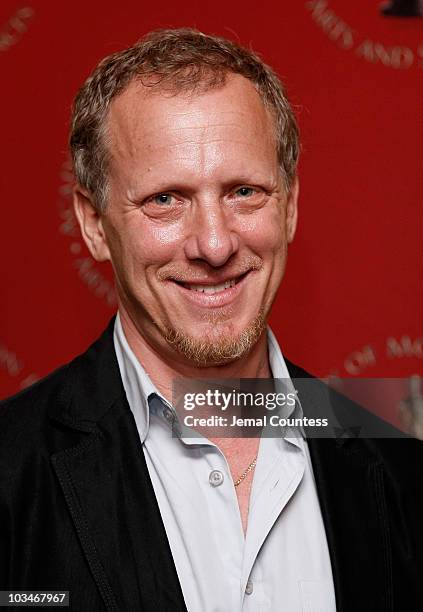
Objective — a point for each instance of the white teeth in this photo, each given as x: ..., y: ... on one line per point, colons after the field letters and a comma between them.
x: 211, y: 288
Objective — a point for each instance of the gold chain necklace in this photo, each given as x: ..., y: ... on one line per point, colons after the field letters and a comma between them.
x: 247, y: 471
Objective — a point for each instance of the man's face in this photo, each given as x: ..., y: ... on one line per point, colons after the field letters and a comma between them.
x: 198, y: 219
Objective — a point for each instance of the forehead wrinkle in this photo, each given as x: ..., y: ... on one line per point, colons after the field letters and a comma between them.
x: 194, y: 143
x: 126, y: 143
x: 207, y: 117
x: 133, y: 117
x: 144, y: 136
x: 197, y: 133
x: 199, y: 173
x: 197, y: 161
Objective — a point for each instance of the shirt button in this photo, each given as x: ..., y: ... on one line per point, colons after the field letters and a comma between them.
x: 168, y: 415
x: 249, y: 588
x: 215, y: 478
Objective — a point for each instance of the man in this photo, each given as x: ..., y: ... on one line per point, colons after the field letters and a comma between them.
x: 185, y: 150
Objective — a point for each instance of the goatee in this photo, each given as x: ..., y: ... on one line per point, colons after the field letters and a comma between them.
x: 216, y: 348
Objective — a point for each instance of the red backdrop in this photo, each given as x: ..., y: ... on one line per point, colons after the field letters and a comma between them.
x: 351, y: 301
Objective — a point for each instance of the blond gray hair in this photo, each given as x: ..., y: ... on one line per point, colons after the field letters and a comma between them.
x: 175, y: 61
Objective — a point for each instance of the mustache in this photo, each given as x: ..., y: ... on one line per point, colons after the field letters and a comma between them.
x: 204, y: 271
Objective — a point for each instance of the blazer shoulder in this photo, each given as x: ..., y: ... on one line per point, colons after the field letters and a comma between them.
x: 58, y: 387
x: 401, y: 456
x: 48, y: 415
x: 24, y: 419
x: 31, y: 402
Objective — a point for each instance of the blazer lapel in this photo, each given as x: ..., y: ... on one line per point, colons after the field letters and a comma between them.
x: 108, y: 490
x: 350, y: 485
x: 351, y: 493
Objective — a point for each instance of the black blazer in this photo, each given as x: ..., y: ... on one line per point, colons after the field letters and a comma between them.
x: 78, y: 511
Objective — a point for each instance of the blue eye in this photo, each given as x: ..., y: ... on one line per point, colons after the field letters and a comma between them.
x: 162, y: 198
x: 245, y: 191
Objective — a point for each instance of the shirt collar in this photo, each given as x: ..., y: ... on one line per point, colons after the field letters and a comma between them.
x: 140, y: 389
x: 137, y: 384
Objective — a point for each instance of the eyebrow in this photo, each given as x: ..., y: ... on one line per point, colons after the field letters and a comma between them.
x: 268, y: 184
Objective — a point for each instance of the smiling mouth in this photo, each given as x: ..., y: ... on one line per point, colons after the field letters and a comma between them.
x: 212, y: 288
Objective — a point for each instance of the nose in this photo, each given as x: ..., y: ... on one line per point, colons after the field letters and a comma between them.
x: 211, y: 238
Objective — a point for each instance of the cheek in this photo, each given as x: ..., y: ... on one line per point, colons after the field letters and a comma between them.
x: 264, y: 234
x: 165, y: 238
x: 149, y: 247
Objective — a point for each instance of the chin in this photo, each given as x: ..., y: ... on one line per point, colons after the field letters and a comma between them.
x: 219, y: 344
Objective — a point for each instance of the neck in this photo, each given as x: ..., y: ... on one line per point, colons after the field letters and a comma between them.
x: 164, y: 368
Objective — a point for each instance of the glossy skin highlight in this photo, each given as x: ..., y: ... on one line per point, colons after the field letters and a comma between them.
x: 195, y: 197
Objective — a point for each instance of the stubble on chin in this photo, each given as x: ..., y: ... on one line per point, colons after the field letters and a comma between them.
x: 218, y: 347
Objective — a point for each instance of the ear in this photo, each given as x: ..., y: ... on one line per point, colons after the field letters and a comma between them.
x: 91, y: 224
x: 292, y: 210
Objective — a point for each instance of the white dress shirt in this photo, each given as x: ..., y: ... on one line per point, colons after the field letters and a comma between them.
x: 282, y: 562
